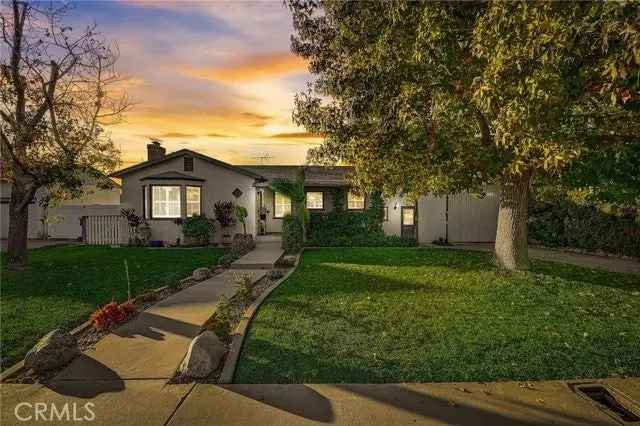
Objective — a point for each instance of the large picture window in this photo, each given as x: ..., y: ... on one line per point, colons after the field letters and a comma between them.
x: 355, y: 201
x: 193, y: 200
x: 315, y: 200
x: 165, y: 202
x: 282, y: 205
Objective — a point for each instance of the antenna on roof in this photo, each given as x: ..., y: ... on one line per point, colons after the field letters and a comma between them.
x: 262, y: 158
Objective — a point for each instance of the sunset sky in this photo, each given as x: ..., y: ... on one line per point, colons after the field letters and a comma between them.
x: 216, y: 77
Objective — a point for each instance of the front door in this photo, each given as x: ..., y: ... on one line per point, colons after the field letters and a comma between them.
x: 408, y: 222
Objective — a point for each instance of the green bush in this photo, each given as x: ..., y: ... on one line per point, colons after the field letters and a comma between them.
x: 226, y: 260
x: 199, y: 228
x: 340, y: 228
x: 566, y: 224
x: 291, y: 234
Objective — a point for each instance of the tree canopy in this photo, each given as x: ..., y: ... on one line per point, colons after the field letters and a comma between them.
x: 447, y: 96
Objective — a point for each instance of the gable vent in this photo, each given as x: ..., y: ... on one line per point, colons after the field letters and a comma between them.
x: 188, y: 164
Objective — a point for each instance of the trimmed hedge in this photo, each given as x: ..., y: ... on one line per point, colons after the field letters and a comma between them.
x: 567, y: 224
x: 291, y: 234
x: 340, y: 228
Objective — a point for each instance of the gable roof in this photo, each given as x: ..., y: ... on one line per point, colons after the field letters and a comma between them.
x: 179, y: 153
x: 314, y: 175
x: 172, y: 175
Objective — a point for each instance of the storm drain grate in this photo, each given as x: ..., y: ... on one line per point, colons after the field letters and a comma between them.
x: 611, y: 401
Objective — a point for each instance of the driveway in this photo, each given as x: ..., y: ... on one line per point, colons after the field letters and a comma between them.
x: 613, y: 264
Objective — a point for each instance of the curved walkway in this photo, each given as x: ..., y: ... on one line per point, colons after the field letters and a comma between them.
x: 613, y: 264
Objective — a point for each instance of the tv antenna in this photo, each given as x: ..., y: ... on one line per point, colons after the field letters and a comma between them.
x: 262, y: 158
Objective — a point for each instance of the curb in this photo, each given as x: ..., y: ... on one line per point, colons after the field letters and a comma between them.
x: 231, y: 362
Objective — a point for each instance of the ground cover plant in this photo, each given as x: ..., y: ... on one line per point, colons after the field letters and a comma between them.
x: 62, y: 286
x: 422, y: 315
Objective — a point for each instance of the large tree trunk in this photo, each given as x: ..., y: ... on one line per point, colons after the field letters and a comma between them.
x: 511, y: 236
x: 18, y: 227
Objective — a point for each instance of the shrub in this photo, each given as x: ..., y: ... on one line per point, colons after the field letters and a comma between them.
x: 244, y: 285
x: 224, y: 213
x: 226, y: 260
x: 241, y: 214
x: 112, y: 314
x: 199, y: 228
x: 139, y: 230
x: 220, y: 321
x: 563, y: 223
x: 242, y: 244
x: 291, y: 234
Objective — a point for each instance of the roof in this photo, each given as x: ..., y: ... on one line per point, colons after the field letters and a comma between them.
x: 314, y: 175
x: 179, y: 153
x: 173, y: 176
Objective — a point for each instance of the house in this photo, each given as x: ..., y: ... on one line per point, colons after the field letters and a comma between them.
x: 170, y: 187
x: 61, y: 220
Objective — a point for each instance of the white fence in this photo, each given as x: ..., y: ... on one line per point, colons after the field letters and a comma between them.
x: 104, y: 230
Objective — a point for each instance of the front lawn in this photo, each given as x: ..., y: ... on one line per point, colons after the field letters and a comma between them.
x: 434, y: 315
x: 62, y: 286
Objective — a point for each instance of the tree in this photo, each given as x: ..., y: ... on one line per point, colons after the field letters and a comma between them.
x: 438, y: 97
x: 298, y: 196
x: 55, y: 91
x: 241, y: 214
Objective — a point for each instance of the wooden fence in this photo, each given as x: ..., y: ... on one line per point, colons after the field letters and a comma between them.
x: 104, y: 229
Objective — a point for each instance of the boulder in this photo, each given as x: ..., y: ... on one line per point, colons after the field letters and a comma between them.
x: 201, y: 274
x: 54, y: 350
x: 275, y: 274
x: 242, y: 244
x: 186, y: 282
x: 203, y: 356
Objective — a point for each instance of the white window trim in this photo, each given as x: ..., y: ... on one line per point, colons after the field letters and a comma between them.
x: 186, y: 200
x: 153, y: 202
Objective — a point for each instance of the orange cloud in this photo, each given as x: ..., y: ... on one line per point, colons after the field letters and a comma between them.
x: 295, y: 135
x: 255, y: 67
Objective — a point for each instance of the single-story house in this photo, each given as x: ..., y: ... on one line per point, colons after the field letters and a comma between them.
x: 62, y: 219
x: 173, y: 186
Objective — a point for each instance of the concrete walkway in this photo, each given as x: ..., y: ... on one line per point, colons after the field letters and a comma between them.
x: 152, y: 402
x: 152, y: 345
x: 267, y: 252
x: 613, y: 264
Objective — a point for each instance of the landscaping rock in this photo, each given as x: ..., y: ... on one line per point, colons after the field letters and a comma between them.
x: 288, y: 261
x: 242, y: 244
x: 201, y: 274
x: 203, y: 356
x: 186, y: 282
x: 54, y: 350
x: 275, y: 274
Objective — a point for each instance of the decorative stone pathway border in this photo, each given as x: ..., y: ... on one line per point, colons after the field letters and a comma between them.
x: 231, y: 362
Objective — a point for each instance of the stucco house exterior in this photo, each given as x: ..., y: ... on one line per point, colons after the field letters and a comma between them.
x: 173, y: 186
x: 62, y: 219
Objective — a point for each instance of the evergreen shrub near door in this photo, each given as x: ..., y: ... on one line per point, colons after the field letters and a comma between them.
x: 291, y: 234
x: 342, y: 228
x: 566, y: 224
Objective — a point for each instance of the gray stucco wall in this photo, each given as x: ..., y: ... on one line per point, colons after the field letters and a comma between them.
x: 219, y: 184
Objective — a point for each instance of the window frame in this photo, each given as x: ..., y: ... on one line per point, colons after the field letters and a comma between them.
x: 274, y: 205
x: 151, y: 216
x: 315, y: 209
x: 364, y: 203
x: 186, y: 200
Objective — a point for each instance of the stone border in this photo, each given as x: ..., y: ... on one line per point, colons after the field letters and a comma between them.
x: 18, y: 367
x: 240, y: 332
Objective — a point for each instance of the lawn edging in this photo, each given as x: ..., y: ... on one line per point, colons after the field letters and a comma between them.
x: 235, y: 349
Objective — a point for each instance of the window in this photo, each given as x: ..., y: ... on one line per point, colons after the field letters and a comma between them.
x: 193, y: 200
x: 407, y: 216
x: 165, y: 202
x: 355, y: 201
x: 188, y: 164
x: 282, y: 205
x: 315, y: 200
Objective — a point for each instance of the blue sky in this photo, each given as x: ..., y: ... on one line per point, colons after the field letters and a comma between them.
x: 217, y: 77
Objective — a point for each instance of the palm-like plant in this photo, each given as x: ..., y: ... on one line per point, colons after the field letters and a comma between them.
x: 295, y: 191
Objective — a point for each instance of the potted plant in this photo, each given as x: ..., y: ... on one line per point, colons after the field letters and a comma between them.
x: 224, y: 215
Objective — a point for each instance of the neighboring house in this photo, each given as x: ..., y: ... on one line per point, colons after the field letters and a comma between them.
x: 169, y: 187
x: 62, y: 219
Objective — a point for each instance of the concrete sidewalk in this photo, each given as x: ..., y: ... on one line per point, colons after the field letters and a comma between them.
x: 613, y: 264
x: 152, y: 402
x: 264, y: 256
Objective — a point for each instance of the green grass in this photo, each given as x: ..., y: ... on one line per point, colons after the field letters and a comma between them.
x: 62, y: 286
x: 431, y: 315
